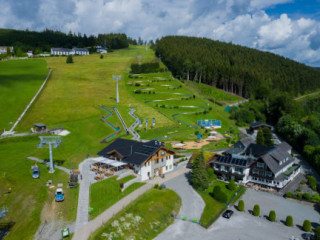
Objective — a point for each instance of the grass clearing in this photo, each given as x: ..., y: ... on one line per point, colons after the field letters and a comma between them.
x: 105, y: 193
x: 19, y: 82
x: 25, y: 203
x: 144, y: 218
x: 214, y: 207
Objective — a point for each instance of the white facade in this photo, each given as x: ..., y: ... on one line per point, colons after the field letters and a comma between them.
x: 147, y: 169
x: 66, y: 52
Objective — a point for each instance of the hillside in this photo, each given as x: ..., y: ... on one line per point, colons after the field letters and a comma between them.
x: 234, y: 68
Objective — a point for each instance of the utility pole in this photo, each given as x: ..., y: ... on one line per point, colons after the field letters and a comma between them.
x: 117, y: 77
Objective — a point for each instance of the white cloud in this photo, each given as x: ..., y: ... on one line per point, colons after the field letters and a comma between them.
x: 242, y: 22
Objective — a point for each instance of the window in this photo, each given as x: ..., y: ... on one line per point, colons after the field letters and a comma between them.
x: 148, y: 174
x: 170, y: 166
x: 157, y: 161
x: 163, y: 153
x: 166, y: 167
x: 260, y: 165
x: 254, y: 171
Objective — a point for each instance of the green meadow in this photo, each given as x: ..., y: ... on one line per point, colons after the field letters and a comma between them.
x: 19, y: 82
x: 144, y: 218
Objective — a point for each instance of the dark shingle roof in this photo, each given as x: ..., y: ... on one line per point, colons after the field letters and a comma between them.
x: 133, y: 152
x: 284, y: 146
x: 258, y: 150
x: 273, y: 160
x: 259, y: 124
x: 244, y: 142
x: 234, y: 151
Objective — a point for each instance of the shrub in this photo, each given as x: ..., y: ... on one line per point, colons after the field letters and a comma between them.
x: 317, y: 232
x: 210, y: 174
x: 272, y: 216
x: 307, y: 196
x: 256, y: 210
x: 302, y: 182
x: 156, y: 186
x: 298, y: 190
x: 306, y: 226
x: 219, y: 195
x: 160, y: 187
x: 137, y: 84
x: 69, y: 59
x: 232, y: 185
x: 299, y: 196
x: 289, y: 221
x: 289, y: 194
x: 241, y: 206
x: 312, y: 182
x: 101, y: 56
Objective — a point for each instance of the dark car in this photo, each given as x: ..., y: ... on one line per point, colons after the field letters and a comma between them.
x: 308, y: 236
x: 227, y: 214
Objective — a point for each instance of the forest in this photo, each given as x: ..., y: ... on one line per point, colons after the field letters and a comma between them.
x: 43, y: 41
x: 233, y: 68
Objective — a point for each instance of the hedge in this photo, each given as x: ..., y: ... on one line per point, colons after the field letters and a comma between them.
x: 219, y: 195
x: 232, y: 185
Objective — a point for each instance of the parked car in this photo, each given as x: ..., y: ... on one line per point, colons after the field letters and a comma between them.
x: 59, y: 196
x: 308, y: 236
x: 227, y: 214
x: 35, y: 172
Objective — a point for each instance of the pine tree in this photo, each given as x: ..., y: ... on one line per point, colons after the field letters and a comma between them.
x: 260, y: 137
x: 69, y: 59
x: 267, y: 135
x: 199, y: 178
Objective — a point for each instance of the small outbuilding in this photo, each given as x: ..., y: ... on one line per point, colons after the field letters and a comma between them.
x: 40, y: 128
x: 257, y: 125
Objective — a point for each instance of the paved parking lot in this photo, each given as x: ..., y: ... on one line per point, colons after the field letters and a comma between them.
x: 241, y: 225
x: 282, y: 206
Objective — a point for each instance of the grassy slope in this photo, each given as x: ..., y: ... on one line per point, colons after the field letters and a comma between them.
x: 29, y: 195
x: 213, y: 207
x: 71, y: 100
x: 154, y: 208
x: 107, y: 192
x: 19, y: 82
x: 182, y: 132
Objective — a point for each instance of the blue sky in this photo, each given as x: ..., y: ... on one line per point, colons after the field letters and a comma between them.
x: 290, y: 28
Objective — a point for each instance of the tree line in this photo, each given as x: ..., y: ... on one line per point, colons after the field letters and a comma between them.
x: 233, y: 68
x: 45, y: 40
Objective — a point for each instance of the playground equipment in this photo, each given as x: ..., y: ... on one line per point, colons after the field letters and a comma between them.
x: 209, y: 123
x: 104, y: 119
x: 54, y: 141
x: 123, y: 123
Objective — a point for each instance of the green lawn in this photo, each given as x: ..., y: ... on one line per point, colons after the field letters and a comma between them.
x: 25, y: 203
x: 105, y: 193
x: 214, y: 207
x: 19, y: 82
x: 144, y: 218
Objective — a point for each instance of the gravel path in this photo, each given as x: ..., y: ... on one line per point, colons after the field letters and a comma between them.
x: 83, y: 201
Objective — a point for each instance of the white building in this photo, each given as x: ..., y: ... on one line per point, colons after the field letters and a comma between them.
x: 101, y: 49
x: 150, y: 159
x: 66, y: 51
x: 263, y: 165
x: 3, y: 49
